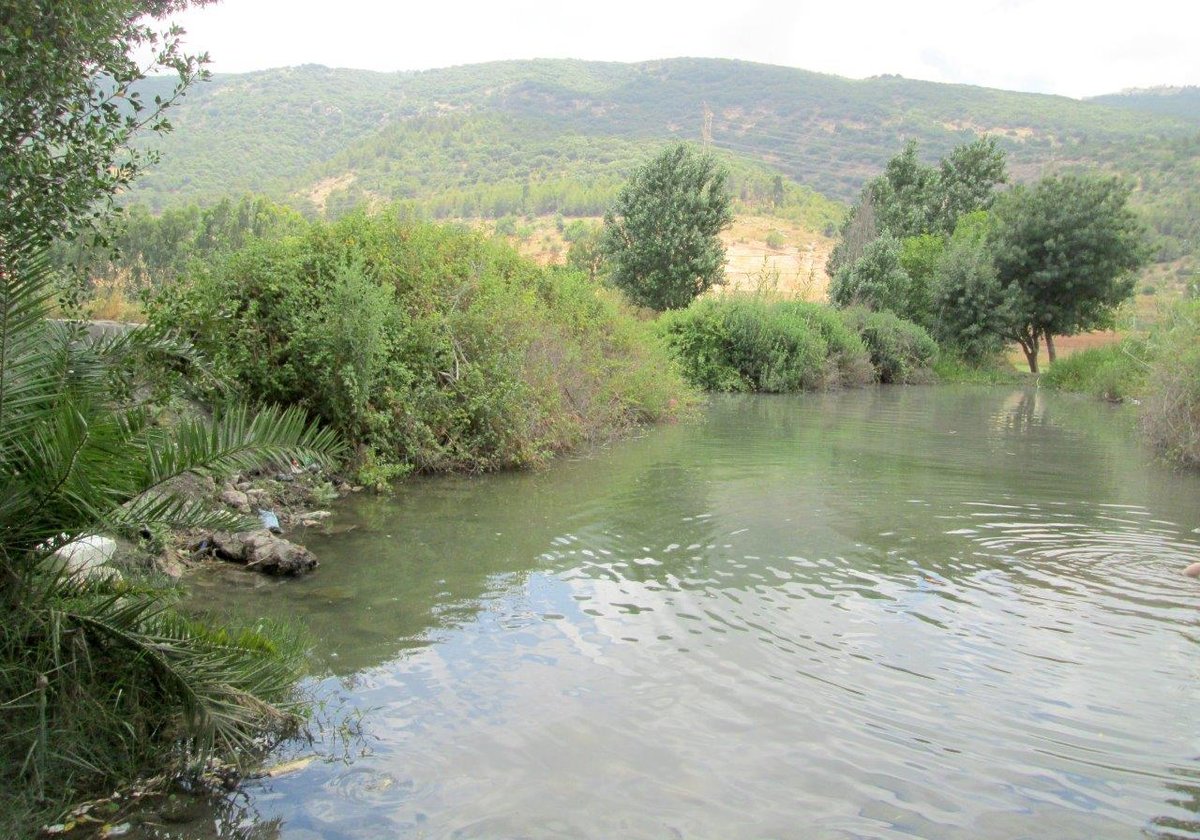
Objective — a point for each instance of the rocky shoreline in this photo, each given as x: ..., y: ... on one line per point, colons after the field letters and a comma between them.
x: 285, y: 502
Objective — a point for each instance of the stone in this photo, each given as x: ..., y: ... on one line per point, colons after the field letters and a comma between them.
x: 236, y: 499
x: 260, y: 550
x: 1193, y: 570
x: 259, y: 498
x: 274, y: 555
x: 172, y: 563
x: 225, y: 546
x: 87, y: 558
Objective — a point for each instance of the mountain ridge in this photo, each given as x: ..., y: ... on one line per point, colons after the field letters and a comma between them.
x: 283, y: 132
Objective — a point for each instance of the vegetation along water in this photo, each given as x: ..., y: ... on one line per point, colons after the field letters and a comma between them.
x: 623, y: 538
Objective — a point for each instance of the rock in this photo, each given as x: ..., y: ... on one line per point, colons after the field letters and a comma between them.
x: 261, y: 551
x: 87, y: 558
x: 236, y: 499
x: 171, y: 564
x: 1193, y: 570
x: 191, y: 486
x: 274, y: 555
x: 180, y: 809
x: 287, y: 767
x: 284, y: 477
x: 225, y: 546
x: 314, y: 516
x: 258, y: 497
x: 244, y: 486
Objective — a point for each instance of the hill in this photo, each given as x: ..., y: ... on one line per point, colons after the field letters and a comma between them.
x: 559, y: 135
x: 1180, y: 102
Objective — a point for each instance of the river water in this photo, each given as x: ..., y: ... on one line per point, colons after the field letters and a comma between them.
x: 895, y: 612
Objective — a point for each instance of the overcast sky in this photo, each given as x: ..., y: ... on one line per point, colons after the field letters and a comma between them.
x: 1068, y: 47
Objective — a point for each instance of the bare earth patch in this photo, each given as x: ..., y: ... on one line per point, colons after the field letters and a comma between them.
x: 777, y: 256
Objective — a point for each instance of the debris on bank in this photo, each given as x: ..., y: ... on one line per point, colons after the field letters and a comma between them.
x: 282, y: 502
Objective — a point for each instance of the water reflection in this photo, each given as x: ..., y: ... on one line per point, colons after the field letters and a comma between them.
x: 932, y: 612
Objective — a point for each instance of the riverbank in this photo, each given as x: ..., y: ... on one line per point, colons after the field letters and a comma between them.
x: 568, y: 647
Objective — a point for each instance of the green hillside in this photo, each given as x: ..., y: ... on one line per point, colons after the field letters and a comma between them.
x: 1180, y: 102
x: 559, y: 135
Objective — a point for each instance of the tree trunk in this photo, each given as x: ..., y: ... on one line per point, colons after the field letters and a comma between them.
x: 1050, y: 347
x: 1029, y: 345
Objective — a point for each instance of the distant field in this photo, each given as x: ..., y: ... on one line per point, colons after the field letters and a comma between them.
x: 794, y: 268
x: 793, y: 264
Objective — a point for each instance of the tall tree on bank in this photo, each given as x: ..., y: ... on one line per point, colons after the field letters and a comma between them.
x: 663, y: 236
x: 69, y: 107
x: 893, y: 238
x: 1065, y: 250
x: 913, y: 199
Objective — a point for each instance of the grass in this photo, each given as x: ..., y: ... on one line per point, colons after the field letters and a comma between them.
x: 952, y: 369
x: 1171, y: 415
x: 1115, y: 372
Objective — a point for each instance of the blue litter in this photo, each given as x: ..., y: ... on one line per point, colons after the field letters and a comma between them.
x: 269, y: 521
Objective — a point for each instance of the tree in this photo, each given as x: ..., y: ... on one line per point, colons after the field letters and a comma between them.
x: 586, y: 252
x: 1067, y: 248
x: 70, y: 107
x: 877, y: 280
x: 904, y: 195
x: 663, y: 236
x: 910, y: 199
x: 972, y: 313
x: 966, y: 183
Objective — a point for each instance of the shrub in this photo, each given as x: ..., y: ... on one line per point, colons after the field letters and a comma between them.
x: 1171, y: 419
x: 1113, y: 373
x: 431, y: 347
x: 876, y: 279
x: 102, y: 681
x: 994, y: 369
x: 901, y: 352
x: 740, y: 343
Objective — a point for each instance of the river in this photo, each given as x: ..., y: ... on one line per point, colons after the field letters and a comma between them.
x: 948, y: 612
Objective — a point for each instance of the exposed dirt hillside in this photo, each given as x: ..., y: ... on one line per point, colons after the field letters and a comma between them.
x: 762, y: 253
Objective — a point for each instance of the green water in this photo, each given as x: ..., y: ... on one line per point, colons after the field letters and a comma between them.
x: 898, y: 612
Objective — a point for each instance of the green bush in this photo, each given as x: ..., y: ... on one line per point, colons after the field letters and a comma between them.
x: 1171, y: 418
x: 432, y: 348
x: 1114, y: 373
x: 994, y: 369
x: 740, y: 343
x: 102, y: 680
x: 901, y: 352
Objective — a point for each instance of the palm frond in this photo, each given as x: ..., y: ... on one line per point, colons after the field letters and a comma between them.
x: 237, y: 440
x: 25, y: 296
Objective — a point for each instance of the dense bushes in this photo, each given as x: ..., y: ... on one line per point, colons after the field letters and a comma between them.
x: 1112, y: 373
x: 739, y: 343
x: 1171, y: 419
x: 101, y: 679
x: 901, y: 351
x: 431, y: 347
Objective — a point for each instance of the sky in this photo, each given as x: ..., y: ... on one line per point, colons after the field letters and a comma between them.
x: 1067, y: 47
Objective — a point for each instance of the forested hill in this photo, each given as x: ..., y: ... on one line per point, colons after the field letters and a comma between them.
x: 1181, y: 102
x: 493, y: 137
